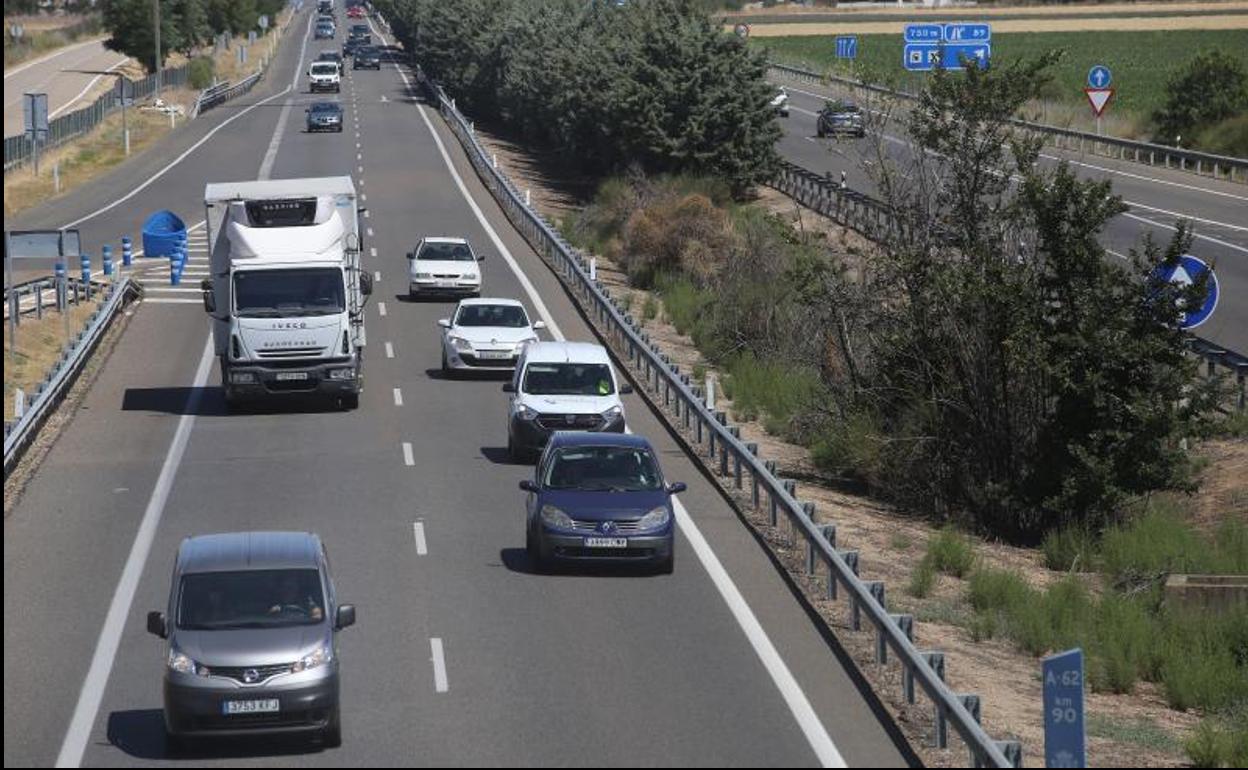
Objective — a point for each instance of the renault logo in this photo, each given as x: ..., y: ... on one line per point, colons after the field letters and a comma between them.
x: 251, y: 676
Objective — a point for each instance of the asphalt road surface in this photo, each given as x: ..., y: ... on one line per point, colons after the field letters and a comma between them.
x: 67, y: 90
x: 575, y: 669
x: 1157, y: 198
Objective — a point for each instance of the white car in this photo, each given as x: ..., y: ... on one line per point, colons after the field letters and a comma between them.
x: 444, y: 266
x: 780, y: 102
x: 486, y: 335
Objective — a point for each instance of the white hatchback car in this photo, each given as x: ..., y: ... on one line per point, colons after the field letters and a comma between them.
x: 444, y: 266
x: 486, y: 335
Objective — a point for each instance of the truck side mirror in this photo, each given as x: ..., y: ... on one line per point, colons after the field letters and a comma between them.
x: 480, y: 257
x: 411, y: 255
x: 210, y: 299
x: 366, y: 284
x: 509, y: 387
x: 156, y: 624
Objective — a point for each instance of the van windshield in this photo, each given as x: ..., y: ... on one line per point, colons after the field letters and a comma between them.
x: 209, y: 601
x: 324, y: 68
x: 568, y: 380
x: 281, y: 293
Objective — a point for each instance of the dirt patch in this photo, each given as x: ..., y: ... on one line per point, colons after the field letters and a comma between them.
x: 891, y: 544
x: 1099, y: 24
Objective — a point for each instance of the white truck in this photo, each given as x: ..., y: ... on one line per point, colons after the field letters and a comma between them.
x: 286, y: 292
x: 324, y: 76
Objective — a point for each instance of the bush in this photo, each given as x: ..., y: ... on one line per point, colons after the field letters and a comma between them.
x: 951, y: 552
x: 994, y: 590
x: 1207, y: 746
x: 1211, y: 87
x: 1122, y: 644
x: 650, y: 309
x: 1206, y: 672
x: 684, y: 304
x: 201, y: 72
x: 1229, y: 137
x: 922, y: 579
x: 984, y: 626
x: 769, y: 391
x: 1153, y: 544
x: 1069, y: 549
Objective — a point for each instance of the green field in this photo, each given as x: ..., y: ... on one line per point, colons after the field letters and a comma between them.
x: 1142, y: 62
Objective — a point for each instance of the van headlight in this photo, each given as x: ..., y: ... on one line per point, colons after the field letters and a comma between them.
x: 525, y: 413
x: 655, y: 519
x: 184, y: 664
x: 613, y: 413
x: 553, y: 517
x: 320, y: 656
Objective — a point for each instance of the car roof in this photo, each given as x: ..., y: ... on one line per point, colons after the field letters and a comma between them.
x: 491, y: 301
x: 443, y: 239
x: 566, y: 352
x: 562, y: 438
x: 235, y: 551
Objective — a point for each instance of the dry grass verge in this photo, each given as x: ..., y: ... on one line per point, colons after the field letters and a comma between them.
x: 39, y: 345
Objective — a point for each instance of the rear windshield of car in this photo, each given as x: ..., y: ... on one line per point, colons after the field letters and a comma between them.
x: 603, y: 469
x: 209, y: 601
x: 568, y: 380
x: 507, y: 316
x: 446, y: 252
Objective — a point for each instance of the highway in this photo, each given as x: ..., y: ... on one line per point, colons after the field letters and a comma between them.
x: 1157, y: 198
x: 53, y: 75
x: 717, y: 664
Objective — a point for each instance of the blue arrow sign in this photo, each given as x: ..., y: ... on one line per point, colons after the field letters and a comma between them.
x: 1065, y: 742
x: 1099, y: 76
x: 922, y: 57
x: 1189, y: 270
x: 979, y: 53
x: 847, y: 47
x: 924, y: 33
x: 967, y: 33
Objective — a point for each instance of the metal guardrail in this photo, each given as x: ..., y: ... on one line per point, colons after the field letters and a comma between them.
x: 724, y: 448
x: 873, y: 217
x: 18, y: 149
x: 1217, y: 166
x: 18, y: 435
x: 28, y: 296
x: 219, y: 94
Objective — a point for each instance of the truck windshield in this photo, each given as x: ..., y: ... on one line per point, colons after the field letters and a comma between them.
x: 212, y: 601
x: 280, y: 293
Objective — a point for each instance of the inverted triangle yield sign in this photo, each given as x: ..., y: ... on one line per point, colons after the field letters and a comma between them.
x: 1099, y: 97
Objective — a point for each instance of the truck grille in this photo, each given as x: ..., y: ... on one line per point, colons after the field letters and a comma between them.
x: 309, y: 352
x: 570, y: 422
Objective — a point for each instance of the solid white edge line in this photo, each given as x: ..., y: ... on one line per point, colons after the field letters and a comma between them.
x: 814, y: 730
x: 439, y: 665
x: 418, y: 530
x: 408, y: 458
x: 92, y: 692
x: 85, y: 89
x: 270, y: 155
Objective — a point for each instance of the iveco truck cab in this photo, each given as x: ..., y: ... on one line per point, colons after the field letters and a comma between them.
x: 286, y: 294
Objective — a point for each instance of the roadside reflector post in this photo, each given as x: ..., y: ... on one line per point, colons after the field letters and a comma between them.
x: 106, y: 252
x: 127, y: 250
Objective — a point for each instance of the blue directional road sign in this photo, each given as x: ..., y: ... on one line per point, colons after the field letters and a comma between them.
x: 967, y: 33
x: 847, y: 47
x: 918, y: 57
x: 1099, y: 76
x: 1188, y: 271
x: 924, y: 33
x: 1065, y: 742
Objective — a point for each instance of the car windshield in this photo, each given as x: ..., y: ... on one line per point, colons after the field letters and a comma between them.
x: 507, y: 316
x: 568, y: 380
x: 446, y: 252
x: 278, y: 293
x: 325, y: 107
x: 365, y: 51
x: 603, y: 469
x: 212, y: 601
x: 324, y: 68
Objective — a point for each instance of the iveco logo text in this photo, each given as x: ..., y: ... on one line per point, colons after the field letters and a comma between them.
x: 290, y: 324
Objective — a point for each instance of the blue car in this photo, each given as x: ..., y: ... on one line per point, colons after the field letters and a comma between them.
x: 599, y: 497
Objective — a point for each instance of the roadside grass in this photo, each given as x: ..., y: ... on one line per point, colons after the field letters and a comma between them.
x: 1142, y: 732
x: 1141, y: 62
x: 59, y: 32
x: 39, y: 345
x: 768, y: 391
x: 951, y: 553
x: 1220, y: 741
x: 1159, y: 541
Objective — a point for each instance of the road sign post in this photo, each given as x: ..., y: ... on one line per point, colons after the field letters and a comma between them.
x: 1065, y: 741
x: 35, y: 120
x: 1098, y: 91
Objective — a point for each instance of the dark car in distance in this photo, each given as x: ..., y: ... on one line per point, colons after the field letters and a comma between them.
x: 354, y: 42
x: 367, y: 57
x: 840, y: 118
x: 333, y: 56
x: 599, y: 497
x: 325, y: 116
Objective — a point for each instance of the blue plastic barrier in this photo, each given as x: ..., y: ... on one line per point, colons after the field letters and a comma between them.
x: 161, y: 233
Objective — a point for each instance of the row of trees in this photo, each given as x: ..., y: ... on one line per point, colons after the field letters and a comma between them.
x: 184, y: 24
x: 652, y: 83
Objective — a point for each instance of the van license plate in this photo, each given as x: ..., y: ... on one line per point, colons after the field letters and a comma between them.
x: 606, y: 542
x: 250, y: 706
x: 283, y: 376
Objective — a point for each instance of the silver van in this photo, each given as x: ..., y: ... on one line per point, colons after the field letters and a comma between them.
x: 251, y: 627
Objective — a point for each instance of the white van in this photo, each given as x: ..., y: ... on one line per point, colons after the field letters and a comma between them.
x: 324, y: 76
x: 561, y: 386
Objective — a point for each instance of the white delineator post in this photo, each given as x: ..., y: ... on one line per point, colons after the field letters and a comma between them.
x: 593, y: 268
x: 710, y: 391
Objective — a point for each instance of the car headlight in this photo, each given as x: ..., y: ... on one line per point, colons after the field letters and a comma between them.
x: 525, y: 413
x: 184, y: 664
x: 320, y: 656
x: 470, y: 277
x: 612, y: 413
x: 460, y: 344
x: 656, y: 518
x: 527, y: 340
x: 342, y: 374
x: 553, y: 517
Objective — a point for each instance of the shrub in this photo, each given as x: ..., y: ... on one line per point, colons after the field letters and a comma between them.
x: 951, y: 552
x: 769, y: 390
x: 1153, y: 544
x: 922, y: 579
x: 650, y: 310
x: 1205, y: 675
x: 998, y: 590
x: 1069, y: 549
x: 200, y: 74
x: 683, y: 302
x: 1229, y: 137
x: 1124, y: 639
x: 983, y: 626
x: 1207, y: 746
